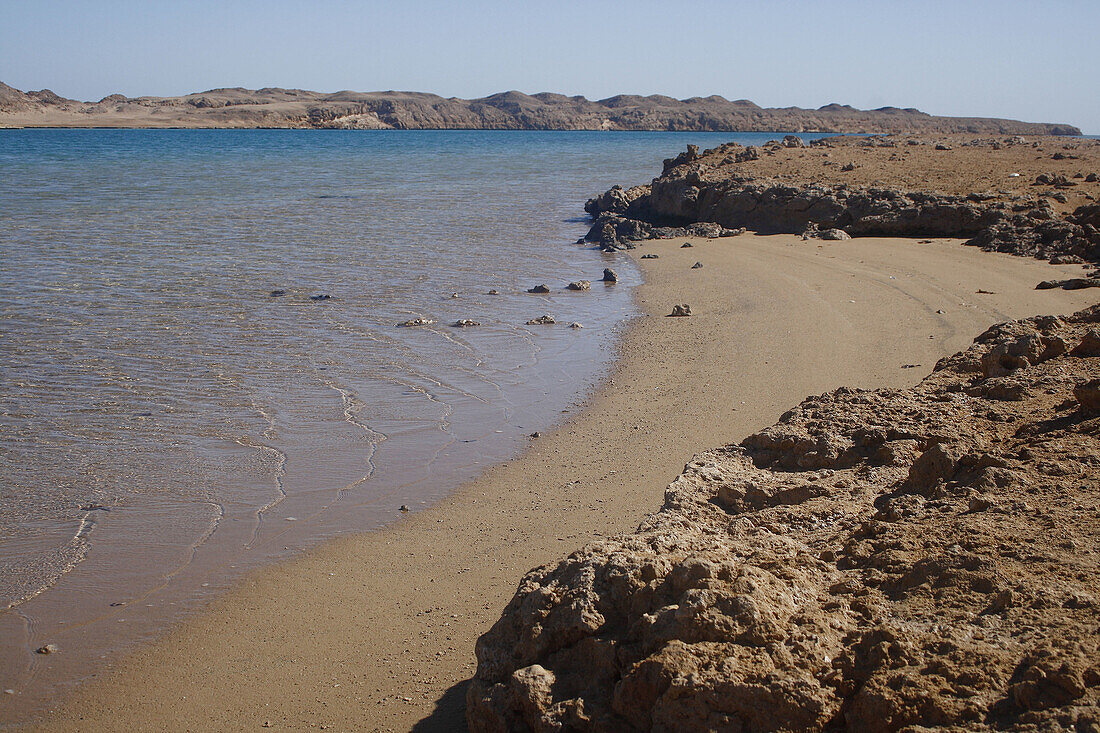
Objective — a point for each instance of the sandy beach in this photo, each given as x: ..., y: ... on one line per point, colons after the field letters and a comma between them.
x: 376, y: 632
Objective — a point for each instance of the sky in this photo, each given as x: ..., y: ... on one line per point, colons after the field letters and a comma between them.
x: 1034, y: 61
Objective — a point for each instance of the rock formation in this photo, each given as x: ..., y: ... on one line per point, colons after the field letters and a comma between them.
x: 901, y: 186
x: 877, y: 560
x: 297, y: 108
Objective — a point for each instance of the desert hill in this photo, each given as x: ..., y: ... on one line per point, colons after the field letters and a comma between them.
x: 296, y: 108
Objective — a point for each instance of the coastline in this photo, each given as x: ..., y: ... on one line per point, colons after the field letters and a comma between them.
x: 376, y: 631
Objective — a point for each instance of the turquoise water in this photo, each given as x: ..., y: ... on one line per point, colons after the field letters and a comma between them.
x: 166, y: 422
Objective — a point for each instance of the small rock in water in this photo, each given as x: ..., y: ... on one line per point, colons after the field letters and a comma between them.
x: 541, y: 321
x: 579, y: 285
x: 650, y: 257
x: 277, y: 293
x: 416, y: 322
x: 465, y: 323
x: 48, y: 649
x: 680, y: 310
x: 322, y: 296
x: 493, y: 292
x: 540, y: 289
x: 697, y: 266
x: 686, y: 244
x: 575, y: 324
x: 454, y: 295
x: 609, y: 275
x: 404, y: 508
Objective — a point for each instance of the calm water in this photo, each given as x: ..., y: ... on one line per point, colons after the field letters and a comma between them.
x: 166, y: 423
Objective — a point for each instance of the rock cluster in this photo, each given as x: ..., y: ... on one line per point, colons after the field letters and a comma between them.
x: 877, y: 560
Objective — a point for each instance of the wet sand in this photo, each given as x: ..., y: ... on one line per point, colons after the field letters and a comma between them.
x: 376, y: 631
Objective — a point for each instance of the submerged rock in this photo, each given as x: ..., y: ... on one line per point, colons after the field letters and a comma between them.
x: 416, y: 322
x: 542, y: 321
x: 465, y: 323
x: 579, y: 285
x: 539, y: 289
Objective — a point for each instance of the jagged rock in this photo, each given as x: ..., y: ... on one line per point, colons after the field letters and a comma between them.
x: 575, y: 324
x: 697, y: 266
x: 650, y: 256
x: 465, y: 323
x: 1087, y: 395
x: 542, y: 321
x: 609, y: 276
x: 877, y: 560
x: 579, y: 285
x: 1089, y: 346
x: 616, y: 200
x: 680, y: 310
x: 1073, y: 283
x: 749, y: 153
x: 539, y: 289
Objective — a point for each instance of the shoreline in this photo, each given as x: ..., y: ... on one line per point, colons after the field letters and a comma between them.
x: 333, y: 638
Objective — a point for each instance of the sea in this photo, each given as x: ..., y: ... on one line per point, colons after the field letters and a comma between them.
x: 201, y: 363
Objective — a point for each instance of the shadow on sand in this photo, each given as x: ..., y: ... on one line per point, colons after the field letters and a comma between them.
x: 449, y: 714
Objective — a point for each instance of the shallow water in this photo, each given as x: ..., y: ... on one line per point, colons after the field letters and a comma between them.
x: 166, y: 422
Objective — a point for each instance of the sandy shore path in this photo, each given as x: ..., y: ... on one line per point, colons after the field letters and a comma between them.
x: 376, y: 632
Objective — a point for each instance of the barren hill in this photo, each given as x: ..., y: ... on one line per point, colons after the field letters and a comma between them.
x: 296, y: 108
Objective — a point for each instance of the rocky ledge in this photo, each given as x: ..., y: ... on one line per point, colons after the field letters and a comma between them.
x: 1036, y: 197
x: 877, y: 560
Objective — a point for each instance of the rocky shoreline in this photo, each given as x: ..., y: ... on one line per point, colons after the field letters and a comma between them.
x: 1034, y: 197
x: 877, y: 560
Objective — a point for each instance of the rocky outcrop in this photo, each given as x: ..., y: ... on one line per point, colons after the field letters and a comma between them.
x: 877, y: 560
x: 274, y: 107
x: 722, y: 191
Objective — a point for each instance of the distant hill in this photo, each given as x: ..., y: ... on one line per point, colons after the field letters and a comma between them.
x: 297, y: 108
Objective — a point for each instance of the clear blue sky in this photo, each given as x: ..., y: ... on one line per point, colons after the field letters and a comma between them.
x: 1026, y: 60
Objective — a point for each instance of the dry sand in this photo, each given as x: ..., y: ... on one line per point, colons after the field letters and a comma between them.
x: 376, y: 632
